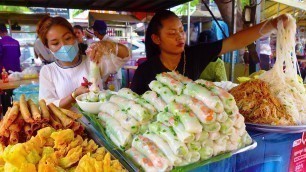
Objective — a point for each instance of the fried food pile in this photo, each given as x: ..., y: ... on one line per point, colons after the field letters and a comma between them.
x: 61, y: 150
x: 258, y: 105
x: 25, y: 118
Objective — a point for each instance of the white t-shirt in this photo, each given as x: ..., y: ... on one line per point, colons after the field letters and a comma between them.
x: 56, y: 83
x: 43, y: 51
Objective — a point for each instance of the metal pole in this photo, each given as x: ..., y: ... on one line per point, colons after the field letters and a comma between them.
x: 233, y: 28
x: 258, y: 10
x: 188, y: 25
x: 10, y: 27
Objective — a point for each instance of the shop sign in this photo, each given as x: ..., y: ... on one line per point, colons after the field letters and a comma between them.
x: 298, y: 155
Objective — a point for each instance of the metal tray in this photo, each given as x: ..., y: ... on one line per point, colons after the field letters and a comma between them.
x: 276, y: 128
x: 93, y: 134
x: 131, y: 166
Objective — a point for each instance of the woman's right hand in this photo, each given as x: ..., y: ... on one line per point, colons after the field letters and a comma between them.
x: 81, y: 90
x: 96, y: 50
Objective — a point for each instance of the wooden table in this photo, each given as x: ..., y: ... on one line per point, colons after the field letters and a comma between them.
x: 15, y: 84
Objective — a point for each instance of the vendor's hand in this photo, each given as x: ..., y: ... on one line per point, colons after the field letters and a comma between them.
x: 283, y: 17
x: 98, y: 49
x: 80, y: 90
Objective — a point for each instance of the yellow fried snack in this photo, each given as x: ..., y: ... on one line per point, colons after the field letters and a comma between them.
x: 57, y: 151
x: 107, y: 162
x: 99, y: 154
x: 62, y: 137
x: 71, y: 158
x: 88, y: 163
x: 90, y: 147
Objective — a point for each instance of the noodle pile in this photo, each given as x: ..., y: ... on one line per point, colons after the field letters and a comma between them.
x: 258, y: 105
x: 277, y: 97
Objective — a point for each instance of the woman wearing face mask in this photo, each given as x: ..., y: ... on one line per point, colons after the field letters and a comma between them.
x: 166, y: 49
x: 60, y: 81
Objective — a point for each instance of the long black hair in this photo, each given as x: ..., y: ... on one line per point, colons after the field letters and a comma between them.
x: 152, y: 50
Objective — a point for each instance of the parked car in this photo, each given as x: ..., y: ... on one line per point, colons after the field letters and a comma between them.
x: 137, y: 47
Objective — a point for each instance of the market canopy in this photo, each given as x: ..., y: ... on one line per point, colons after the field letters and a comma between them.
x: 272, y: 8
x: 112, y: 17
x: 115, y: 5
x: 21, y: 18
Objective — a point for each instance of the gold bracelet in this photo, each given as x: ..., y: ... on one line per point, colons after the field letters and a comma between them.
x: 73, y: 95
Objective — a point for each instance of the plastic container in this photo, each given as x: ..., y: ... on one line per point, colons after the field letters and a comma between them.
x: 30, y: 91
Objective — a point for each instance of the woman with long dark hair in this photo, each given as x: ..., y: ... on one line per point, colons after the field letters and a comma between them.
x: 166, y: 50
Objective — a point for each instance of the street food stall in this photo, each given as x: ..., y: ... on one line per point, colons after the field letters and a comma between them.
x: 177, y: 125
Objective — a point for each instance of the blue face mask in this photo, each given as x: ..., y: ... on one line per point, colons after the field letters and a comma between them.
x: 67, y: 53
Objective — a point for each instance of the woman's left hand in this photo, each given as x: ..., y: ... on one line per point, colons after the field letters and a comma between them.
x: 97, y: 50
x: 283, y: 17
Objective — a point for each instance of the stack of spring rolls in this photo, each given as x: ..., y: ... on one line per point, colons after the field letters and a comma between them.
x: 25, y: 118
x: 179, y: 122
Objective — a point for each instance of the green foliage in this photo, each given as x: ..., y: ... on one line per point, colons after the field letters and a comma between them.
x: 14, y: 9
x: 76, y: 12
x: 244, y: 3
x: 182, y: 9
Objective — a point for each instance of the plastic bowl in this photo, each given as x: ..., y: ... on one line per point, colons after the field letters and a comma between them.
x: 91, y: 107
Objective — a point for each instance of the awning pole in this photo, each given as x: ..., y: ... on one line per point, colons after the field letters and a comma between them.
x: 188, y: 25
x: 233, y: 28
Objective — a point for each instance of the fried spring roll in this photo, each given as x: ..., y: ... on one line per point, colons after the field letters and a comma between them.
x: 34, y: 110
x: 55, y: 124
x: 10, y: 117
x: 27, y: 129
x: 35, y: 126
x: 13, y: 138
x: 24, y: 110
x: 4, y: 118
x: 6, y: 133
x: 66, y: 121
x: 19, y: 121
x: 75, y: 126
x: 44, y: 111
x: 71, y: 114
x: 44, y: 125
x: 15, y: 127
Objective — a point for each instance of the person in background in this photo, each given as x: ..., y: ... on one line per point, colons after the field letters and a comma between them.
x: 166, y: 50
x: 79, y: 33
x: 89, y: 34
x: 43, y: 52
x: 265, y: 53
x: 9, y: 51
x: 99, y: 27
x: 60, y: 82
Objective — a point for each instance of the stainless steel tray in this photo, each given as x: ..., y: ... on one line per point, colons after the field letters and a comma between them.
x: 131, y: 166
x: 276, y: 128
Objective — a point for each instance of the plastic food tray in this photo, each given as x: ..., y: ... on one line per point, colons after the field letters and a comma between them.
x: 95, y: 127
x: 276, y: 128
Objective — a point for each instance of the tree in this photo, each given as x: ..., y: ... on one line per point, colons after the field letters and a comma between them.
x: 14, y: 9
x: 182, y: 9
x: 77, y: 12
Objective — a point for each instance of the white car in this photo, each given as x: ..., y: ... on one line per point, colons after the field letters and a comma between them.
x: 137, y: 47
